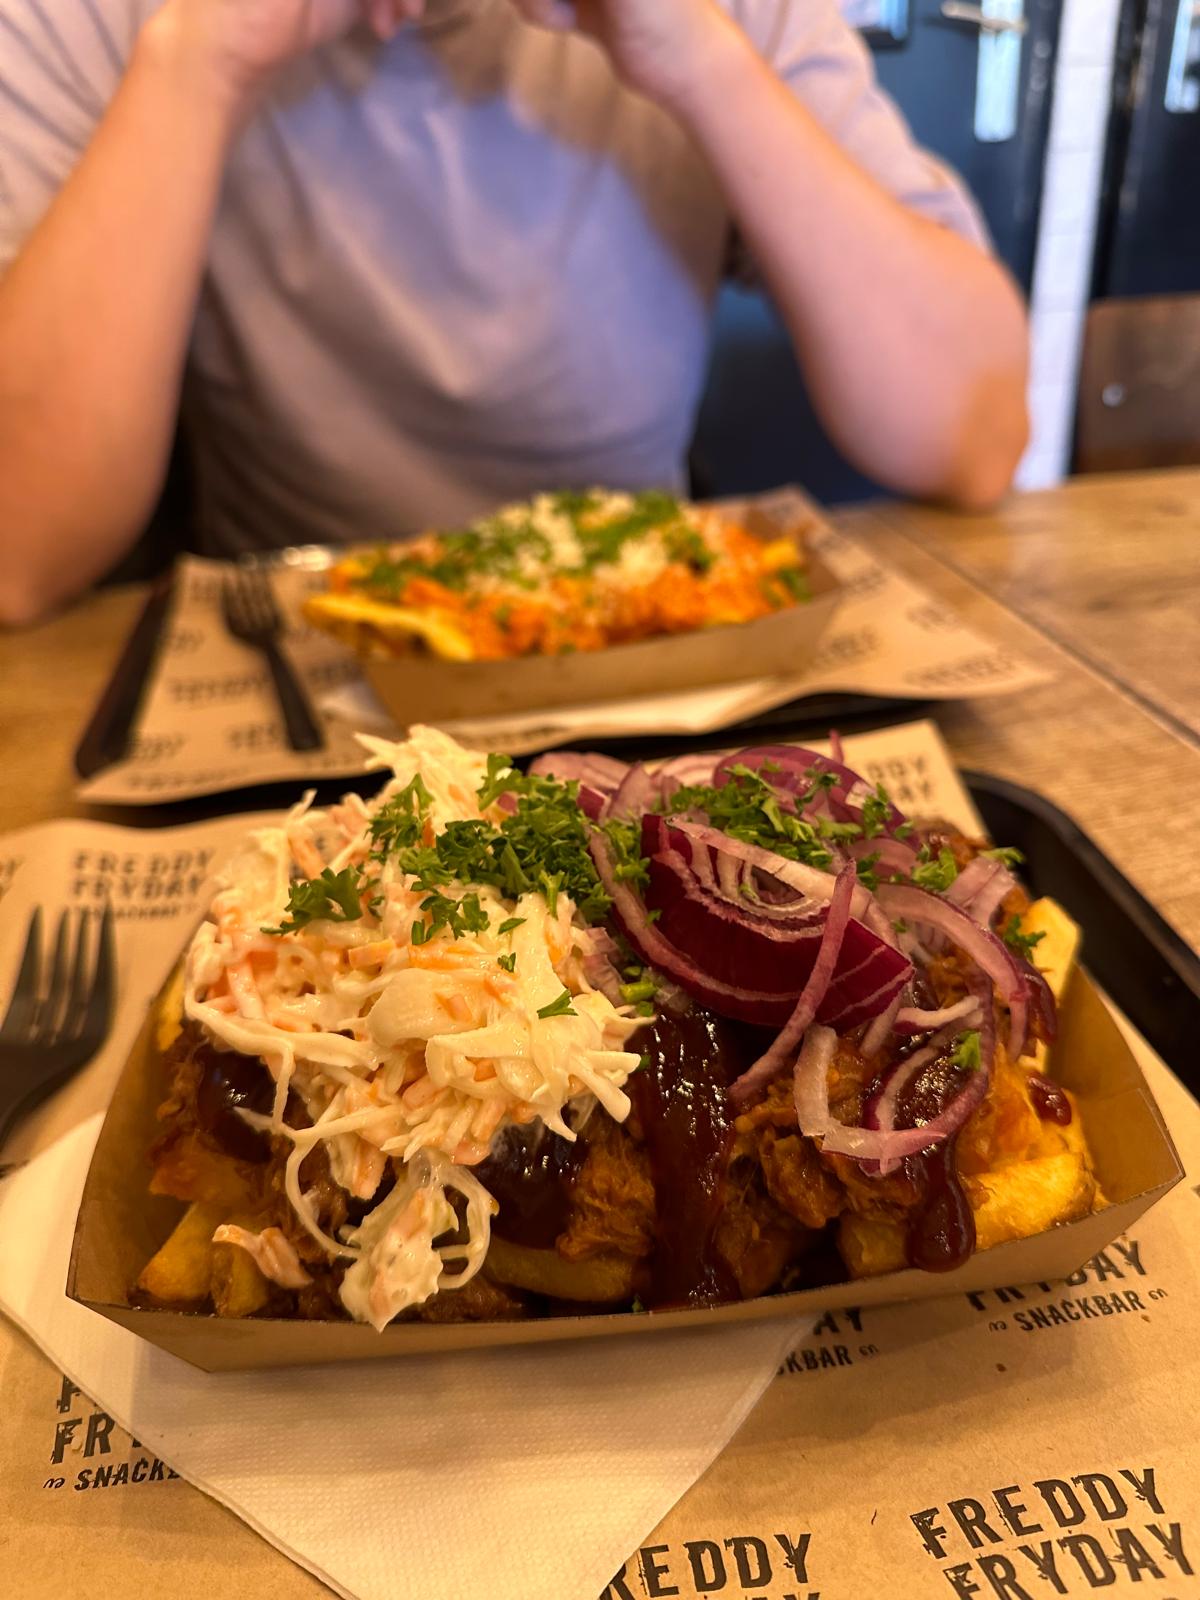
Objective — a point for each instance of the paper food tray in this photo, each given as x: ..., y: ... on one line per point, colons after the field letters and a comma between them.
x: 422, y: 688
x: 121, y: 1225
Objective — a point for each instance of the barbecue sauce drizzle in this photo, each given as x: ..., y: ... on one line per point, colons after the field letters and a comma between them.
x: 941, y: 1231
x: 1049, y: 1099
x: 680, y: 1096
x: 227, y: 1081
x: 529, y: 1173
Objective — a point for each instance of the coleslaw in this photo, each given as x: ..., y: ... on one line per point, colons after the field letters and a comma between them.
x: 413, y: 1024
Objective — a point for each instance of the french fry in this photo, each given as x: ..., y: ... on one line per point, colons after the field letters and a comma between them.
x: 598, y: 1279
x: 181, y: 1271
x: 1027, y: 1197
x: 169, y: 1022
x: 871, y: 1245
x: 356, y: 619
x: 1056, y: 953
x: 189, y: 1169
x: 238, y: 1287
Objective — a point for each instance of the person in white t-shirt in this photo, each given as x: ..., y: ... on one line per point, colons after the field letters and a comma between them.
x: 399, y: 263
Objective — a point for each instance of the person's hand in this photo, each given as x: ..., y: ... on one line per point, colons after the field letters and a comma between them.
x: 662, y: 48
x: 236, y: 45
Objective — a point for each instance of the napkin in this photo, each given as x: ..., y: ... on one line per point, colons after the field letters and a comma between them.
x: 529, y: 1472
x: 644, y: 716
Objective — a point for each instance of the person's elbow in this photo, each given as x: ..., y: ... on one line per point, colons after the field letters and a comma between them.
x: 41, y: 570
x: 990, y: 428
x: 986, y: 460
x: 23, y: 605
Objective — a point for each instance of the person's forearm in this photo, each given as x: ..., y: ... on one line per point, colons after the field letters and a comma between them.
x: 912, y: 341
x: 95, y: 316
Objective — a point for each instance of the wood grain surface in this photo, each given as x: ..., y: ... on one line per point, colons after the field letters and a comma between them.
x: 1109, y: 566
x: 1098, y: 581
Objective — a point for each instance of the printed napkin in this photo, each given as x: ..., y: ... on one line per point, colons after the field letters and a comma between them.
x: 416, y: 1477
x: 210, y: 721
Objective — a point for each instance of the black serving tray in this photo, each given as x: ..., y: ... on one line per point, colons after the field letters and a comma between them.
x: 1129, y: 949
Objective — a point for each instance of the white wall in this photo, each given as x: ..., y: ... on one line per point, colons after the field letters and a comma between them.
x: 1067, y: 231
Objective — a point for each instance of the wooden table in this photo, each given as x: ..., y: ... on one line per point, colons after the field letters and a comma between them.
x: 1100, y: 582
x: 1107, y: 566
x: 1092, y: 740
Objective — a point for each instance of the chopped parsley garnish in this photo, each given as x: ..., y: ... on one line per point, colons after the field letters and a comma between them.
x: 513, y: 548
x: 749, y: 809
x: 934, y: 874
x: 625, y: 839
x: 541, y: 847
x: 867, y: 875
x: 400, y: 821
x: 1021, y: 944
x: 602, y: 539
x: 634, y: 993
x: 966, y: 1053
x: 786, y: 584
x: 508, y: 962
x: 1008, y: 856
x: 876, y: 809
x: 332, y: 897
x: 560, y: 1007
x: 686, y: 545
x: 510, y: 924
x: 465, y: 915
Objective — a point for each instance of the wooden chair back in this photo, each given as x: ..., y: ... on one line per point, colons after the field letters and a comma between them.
x: 1139, y: 387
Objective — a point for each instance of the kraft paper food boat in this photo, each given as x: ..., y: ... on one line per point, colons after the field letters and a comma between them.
x: 423, y: 688
x: 120, y: 1226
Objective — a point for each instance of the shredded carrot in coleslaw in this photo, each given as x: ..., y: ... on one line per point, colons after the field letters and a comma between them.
x: 413, y: 1054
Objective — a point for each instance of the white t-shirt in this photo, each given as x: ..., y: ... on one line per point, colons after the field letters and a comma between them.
x: 448, y: 271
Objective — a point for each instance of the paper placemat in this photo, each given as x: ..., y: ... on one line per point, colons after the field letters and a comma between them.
x: 1026, y: 1442
x: 210, y: 723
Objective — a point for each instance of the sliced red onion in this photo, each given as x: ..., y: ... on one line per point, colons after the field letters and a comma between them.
x: 1041, y: 998
x: 699, y: 858
x: 844, y: 801
x: 603, y: 773
x: 811, y: 1078
x: 768, y: 1067
x: 729, y: 875
x: 835, y: 747
x: 630, y: 916
x: 888, y: 1145
x: 980, y: 887
x: 689, y: 770
x: 912, y: 1019
x: 602, y: 975
x: 883, y: 1103
x: 599, y: 966
x: 858, y: 995
x: 724, y: 941
x: 593, y: 804
x: 811, y: 882
x: 988, y: 952
x: 880, y: 1029
x: 740, y: 942
x: 640, y: 791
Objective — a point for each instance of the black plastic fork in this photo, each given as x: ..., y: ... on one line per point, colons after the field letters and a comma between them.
x: 57, y: 1019
x: 251, y: 615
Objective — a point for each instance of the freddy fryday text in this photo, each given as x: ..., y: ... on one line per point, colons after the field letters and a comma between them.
x: 1045, y: 1546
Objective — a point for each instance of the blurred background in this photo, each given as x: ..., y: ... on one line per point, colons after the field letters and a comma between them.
x: 1077, y: 125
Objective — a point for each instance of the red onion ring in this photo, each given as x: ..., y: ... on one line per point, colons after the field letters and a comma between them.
x: 631, y: 917
x: 768, y: 1067
x: 911, y: 1019
x: 988, y: 952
